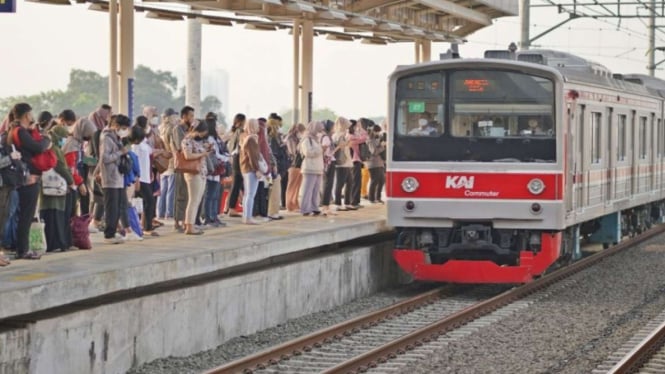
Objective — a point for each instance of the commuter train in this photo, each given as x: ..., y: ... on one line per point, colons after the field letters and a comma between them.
x: 498, y: 168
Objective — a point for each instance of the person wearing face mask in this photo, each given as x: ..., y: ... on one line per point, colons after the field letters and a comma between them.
x: 295, y: 177
x: 179, y: 132
x: 193, y: 148
x: 343, y: 164
x: 234, y: 146
x: 79, y: 131
x: 166, y: 199
x: 112, y: 181
x: 100, y: 118
x: 21, y: 123
x: 52, y: 209
x: 45, y: 121
x: 424, y: 128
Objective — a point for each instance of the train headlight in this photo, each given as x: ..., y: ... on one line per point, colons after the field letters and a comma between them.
x: 410, y: 184
x: 536, y: 186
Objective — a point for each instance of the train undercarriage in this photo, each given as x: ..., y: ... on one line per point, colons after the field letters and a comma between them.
x: 476, y: 252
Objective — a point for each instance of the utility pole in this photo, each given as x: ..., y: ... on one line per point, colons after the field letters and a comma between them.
x: 651, y: 67
x: 525, y: 11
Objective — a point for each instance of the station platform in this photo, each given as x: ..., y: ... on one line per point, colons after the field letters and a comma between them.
x: 60, y: 279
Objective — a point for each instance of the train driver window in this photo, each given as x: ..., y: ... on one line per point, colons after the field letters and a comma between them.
x: 420, y: 107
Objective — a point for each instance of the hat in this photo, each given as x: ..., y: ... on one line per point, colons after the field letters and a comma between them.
x: 169, y: 112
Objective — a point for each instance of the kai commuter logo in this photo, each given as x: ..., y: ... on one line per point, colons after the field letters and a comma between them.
x: 459, y: 181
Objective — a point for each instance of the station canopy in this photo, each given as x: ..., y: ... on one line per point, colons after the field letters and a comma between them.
x: 373, y: 21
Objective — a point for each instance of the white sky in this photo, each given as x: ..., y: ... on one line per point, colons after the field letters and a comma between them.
x: 42, y: 43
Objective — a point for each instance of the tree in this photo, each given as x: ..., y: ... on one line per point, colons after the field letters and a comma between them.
x: 87, y: 90
x: 317, y: 115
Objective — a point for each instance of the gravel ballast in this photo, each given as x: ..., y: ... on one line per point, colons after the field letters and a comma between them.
x: 246, y: 345
x: 573, y: 329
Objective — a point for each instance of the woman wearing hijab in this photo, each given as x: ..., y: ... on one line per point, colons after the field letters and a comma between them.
x: 312, y: 169
x: 53, y: 208
x: 249, y: 165
x: 80, y: 131
x: 295, y: 177
x: 261, y: 199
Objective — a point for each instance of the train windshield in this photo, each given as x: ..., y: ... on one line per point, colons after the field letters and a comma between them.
x: 475, y: 115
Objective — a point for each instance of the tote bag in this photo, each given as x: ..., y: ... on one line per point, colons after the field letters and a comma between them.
x: 183, y: 165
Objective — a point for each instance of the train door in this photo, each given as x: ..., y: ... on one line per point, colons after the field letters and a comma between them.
x: 610, y: 164
x: 633, y: 140
x: 580, y: 164
x: 652, y: 153
x: 569, y: 151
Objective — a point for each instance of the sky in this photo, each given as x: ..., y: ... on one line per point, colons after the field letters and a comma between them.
x: 42, y: 43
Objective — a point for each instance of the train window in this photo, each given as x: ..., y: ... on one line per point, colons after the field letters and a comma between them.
x: 621, y: 140
x: 596, y: 120
x: 420, y: 105
x: 660, y: 138
x: 500, y: 104
x: 643, y: 138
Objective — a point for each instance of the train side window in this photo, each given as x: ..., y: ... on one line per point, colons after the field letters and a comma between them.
x: 596, y: 120
x: 621, y: 138
x: 643, y: 138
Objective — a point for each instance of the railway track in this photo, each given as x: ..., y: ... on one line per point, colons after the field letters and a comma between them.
x: 643, y: 353
x: 377, y: 341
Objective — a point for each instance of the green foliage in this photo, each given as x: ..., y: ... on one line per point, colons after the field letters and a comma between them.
x: 317, y: 115
x: 87, y: 90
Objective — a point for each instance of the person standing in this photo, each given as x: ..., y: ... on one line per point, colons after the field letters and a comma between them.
x: 278, y: 150
x: 343, y: 164
x: 312, y: 169
x: 328, y: 166
x: 193, y: 149
x: 295, y: 177
x: 376, y: 164
x: 143, y: 152
x: 179, y: 133
x: 233, y: 146
x: 356, y: 136
x: 22, y: 124
x: 249, y: 163
x: 112, y: 181
x: 166, y: 199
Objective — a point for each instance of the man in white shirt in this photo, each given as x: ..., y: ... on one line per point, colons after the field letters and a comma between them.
x: 143, y: 151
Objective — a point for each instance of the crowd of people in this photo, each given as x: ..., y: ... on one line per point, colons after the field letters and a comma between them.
x: 124, y: 177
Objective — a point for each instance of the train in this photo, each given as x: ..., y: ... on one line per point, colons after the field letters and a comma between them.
x: 500, y: 168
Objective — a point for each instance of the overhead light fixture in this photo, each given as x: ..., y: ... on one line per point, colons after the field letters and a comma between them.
x: 340, y: 37
x: 100, y: 7
x: 260, y: 26
x: 333, y: 14
x: 363, y: 21
x: 390, y: 27
x: 301, y: 7
x: 52, y: 2
x: 214, y: 21
x: 164, y: 16
x: 376, y: 41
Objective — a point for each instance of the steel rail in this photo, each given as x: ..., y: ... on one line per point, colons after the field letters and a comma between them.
x: 431, y: 332
x: 316, y: 339
x: 641, y: 353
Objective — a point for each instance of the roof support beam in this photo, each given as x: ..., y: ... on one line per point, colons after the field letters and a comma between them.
x: 365, y: 5
x: 458, y: 11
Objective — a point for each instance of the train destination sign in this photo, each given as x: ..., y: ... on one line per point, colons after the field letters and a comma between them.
x: 7, y: 6
x: 476, y: 85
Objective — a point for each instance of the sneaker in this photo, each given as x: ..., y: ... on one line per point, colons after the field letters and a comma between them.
x: 115, y: 240
x: 92, y: 229
x: 120, y: 236
x: 133, y: 237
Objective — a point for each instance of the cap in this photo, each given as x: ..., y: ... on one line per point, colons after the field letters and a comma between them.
x: 169, y: 112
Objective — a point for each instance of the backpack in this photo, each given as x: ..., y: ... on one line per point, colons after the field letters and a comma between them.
x: 53, y: 184
x: 42, y: 161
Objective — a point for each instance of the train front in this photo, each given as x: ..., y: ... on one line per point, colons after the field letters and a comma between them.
x: 475, y: 175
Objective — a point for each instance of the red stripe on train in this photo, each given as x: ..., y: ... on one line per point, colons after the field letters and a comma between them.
x: 474, y: 185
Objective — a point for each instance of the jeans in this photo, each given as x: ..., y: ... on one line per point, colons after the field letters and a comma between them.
x: 251, y: 184
x: 115, y: 206
x: 166, y: 199
x: 344, y: 179
x: 378, y: 179
x: 211, y: 200
x: 261, y: 200
x: 8, y: 216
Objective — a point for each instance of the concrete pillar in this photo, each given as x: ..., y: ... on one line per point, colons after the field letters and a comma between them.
x: 126, y: 105
x: 306, y: 77
x: 525, y: 13
x: 193, y: 87
x: 296, y: 71
x: 417, y: 50
x: 426, y: 50
x: 113, y: 60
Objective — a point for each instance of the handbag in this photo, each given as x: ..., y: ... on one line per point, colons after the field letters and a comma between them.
x: 161, y: 162
x: 183, y: 165
x: 297, y: 162
x: 53, y: 184
x: 41, y: 161
x: 37, y: 236
x: 263, y: 165
x: 80, y: 232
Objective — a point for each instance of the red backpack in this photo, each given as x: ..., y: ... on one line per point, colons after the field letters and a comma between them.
x: 42, y: 161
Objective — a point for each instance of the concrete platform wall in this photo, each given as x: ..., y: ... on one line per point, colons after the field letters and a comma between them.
x: 113, y: 338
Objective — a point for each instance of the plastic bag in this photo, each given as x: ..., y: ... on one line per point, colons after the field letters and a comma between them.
x: 80, y: 232
x: 37, y: 238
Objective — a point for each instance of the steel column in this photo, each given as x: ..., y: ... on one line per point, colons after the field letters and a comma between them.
x: 307, y: 77
x: 193, y: 88
x: 113, y: 54
x: 126, y: 104
x: 525, y: 12
x: 296, y: 71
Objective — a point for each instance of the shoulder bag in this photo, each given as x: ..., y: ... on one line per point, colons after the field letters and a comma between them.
x: 53, y: 184
x: 183, y: 165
